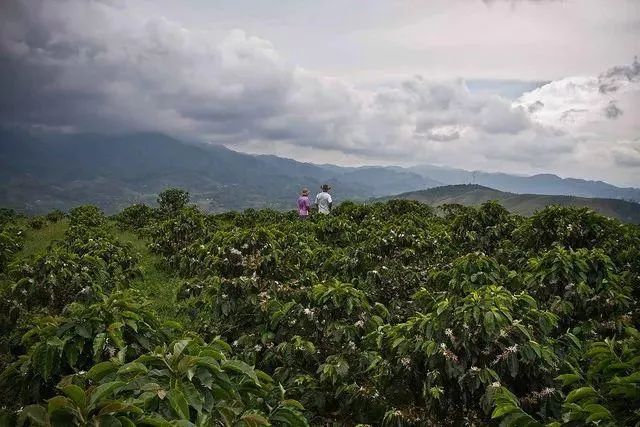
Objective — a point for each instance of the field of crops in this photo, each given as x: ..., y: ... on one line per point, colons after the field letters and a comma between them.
x: 384, y: 314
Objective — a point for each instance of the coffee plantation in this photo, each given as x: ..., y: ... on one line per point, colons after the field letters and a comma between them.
x: 386, y: 314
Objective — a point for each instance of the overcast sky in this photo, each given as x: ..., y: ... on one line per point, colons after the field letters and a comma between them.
x: 515, y: 86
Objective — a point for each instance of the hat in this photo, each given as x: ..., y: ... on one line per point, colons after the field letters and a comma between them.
x: 305, y: 192
x: 325, y: 187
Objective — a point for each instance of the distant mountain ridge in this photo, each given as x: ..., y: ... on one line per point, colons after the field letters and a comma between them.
x: 523, y: 204
x: 42, y: 172
x: 535, y: 184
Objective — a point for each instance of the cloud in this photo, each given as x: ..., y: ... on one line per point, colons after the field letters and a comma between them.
x: 592, y: 110
x: 109, y: 71
x: 627, y: 154
x: 612, y: 111
x: 78, y: 65
x: 536, y: 106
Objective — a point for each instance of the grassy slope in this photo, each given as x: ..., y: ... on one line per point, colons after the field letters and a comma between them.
x: 157, y: 283
x: 524, y: 204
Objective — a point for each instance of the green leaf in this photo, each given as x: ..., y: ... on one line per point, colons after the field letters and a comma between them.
x: 132, y: 368
x: 292, y: 403
x: 178, y: 403
x: 503, y: 410
x: 99, y: 371
x: 568, y: 379
x: 193, y: 396
x: 575, y: 340
x: 288, y: 417
x: 84, y: 330
x: 98, y: 345
x: 126, y: 422
x: 595, y: 408
x: 115, y: 334
x: 489, y: 322
x: 60, y: 403
x: 241, y: 368
x: 44, y: 360
x: 580, y: 393
x: 104, y: 390
x: 76, y: 394
x: 37, y: 414
x: 179, y: 347
x: 115, y: 407
x: 598, y: 416
x: 108, y: 421
x: 254, y: 419
x: 154, y: 421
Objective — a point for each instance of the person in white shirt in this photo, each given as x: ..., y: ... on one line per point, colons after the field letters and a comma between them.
x: 323, y: 200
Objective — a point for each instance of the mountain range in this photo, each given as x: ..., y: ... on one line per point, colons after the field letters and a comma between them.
x: 523, y: 204
x: 40, y: 172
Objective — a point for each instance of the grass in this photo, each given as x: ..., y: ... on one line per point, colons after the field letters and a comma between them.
x: 157, y: 283
x: 37, y: 241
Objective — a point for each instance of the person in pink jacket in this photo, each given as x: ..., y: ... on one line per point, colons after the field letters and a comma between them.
x: 304, y: 204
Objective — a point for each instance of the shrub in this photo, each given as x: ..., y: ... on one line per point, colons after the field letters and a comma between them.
x: 135, y: 217
x: 37, y: 222
x: 171, y: 201
x: 55, y: 215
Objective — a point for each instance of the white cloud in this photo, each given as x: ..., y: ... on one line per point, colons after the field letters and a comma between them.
x: 599, y: 113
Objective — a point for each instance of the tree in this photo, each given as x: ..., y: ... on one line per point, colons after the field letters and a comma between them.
x: 172, y: 200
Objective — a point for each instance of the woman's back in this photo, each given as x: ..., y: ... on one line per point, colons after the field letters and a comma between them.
x: 303, y: 206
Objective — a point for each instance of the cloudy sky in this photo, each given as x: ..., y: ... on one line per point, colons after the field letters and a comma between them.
x: 516, y: 86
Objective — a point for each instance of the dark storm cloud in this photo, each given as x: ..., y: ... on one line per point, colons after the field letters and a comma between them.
x: 87, y: 66
x: 79, y: 65
x: 612, y: 111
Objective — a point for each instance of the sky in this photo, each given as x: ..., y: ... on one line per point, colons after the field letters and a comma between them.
x: 518, y: 86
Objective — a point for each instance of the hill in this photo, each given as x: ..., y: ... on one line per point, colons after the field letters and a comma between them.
x: 524, y: 204
x: 43, y: 172
x: 535, y: 184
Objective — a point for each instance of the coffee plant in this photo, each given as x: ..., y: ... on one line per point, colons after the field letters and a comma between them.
x: 387, y: 314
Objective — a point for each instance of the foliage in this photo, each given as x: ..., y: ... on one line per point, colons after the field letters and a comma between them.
x: 86, y: 262
x: 37, y: 222
x: 381, y: 314
x: 135, y: 217
x: 117, y: 326
x: 604, y: 390
x: 55, y: 215
x: 7, y: 215
x: 171, y: 200
x: 184, y: 381
x: 11, y: 238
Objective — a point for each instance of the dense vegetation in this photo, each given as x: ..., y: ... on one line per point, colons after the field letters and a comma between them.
x: 384, y: 314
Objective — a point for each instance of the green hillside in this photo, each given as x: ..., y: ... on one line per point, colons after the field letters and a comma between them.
x: 523, y: 204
